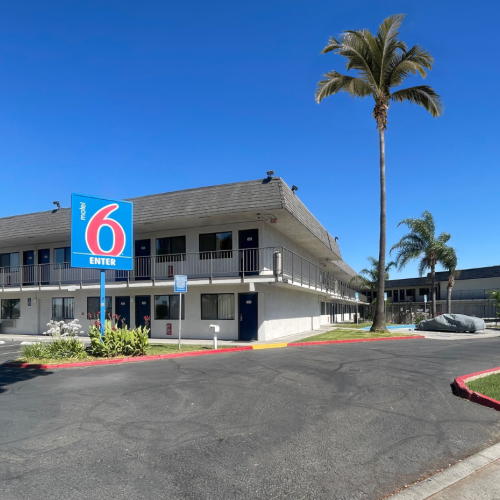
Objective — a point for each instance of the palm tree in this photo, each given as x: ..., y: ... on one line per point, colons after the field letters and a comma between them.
x: 421, y: 243
x: 368, y: 277
x: 449, y: 262
x: 383, y: 62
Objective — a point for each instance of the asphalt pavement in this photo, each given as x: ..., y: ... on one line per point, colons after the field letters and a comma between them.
x: 9, y: 350
x: 341, y: 421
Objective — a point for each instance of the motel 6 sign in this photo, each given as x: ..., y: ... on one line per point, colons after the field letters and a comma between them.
x: 101, y: 233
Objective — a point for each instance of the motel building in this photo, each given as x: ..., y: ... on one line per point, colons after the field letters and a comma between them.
x: 259, y: 265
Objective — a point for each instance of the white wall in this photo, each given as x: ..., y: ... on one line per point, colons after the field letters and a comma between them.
x: 288, y: 312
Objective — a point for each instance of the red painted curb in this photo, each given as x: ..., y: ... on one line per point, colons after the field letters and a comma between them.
x: 348, y: 341
x: 125, y: 360
x: 463, y: 391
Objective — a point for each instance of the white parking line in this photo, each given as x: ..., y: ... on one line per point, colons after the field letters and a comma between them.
x: 15, y: 352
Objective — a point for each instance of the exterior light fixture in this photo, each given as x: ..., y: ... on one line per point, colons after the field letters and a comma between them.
x: 294, y: 188
x: 57, y: 204
x: 270, y: 173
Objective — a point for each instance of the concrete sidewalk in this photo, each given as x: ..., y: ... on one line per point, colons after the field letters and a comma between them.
x: 84, y: 338
x: 476, y: 478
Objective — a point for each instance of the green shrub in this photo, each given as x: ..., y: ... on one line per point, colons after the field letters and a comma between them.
x: 118, y: 341
x: 419, y: 318
x: 65, y: 347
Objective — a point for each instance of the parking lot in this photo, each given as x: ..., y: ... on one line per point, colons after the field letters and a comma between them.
x: 351, y: 421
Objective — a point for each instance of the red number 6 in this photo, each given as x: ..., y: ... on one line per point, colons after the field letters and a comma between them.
x: 96, y: 223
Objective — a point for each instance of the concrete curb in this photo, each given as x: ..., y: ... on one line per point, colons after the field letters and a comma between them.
x: 348, y: 341
x: 428, y: 487
x: 115, y: 361
x: 463, y: 391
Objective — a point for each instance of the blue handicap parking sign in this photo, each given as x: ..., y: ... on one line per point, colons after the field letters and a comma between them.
x: 180, y: 283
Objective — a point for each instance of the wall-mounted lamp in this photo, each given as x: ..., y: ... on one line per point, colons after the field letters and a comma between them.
x: 294, y: 188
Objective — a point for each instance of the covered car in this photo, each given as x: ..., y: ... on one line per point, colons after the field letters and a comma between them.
x: 452, y: 323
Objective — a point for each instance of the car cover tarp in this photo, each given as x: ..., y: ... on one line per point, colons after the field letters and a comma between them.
x: 452, y: 323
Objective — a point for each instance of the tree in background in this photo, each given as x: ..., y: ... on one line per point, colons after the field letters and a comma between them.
x: 421, y: 243
x: 368, y: 277
x: 383, y: 62
x: 449, y: 262
x: 495, y: 295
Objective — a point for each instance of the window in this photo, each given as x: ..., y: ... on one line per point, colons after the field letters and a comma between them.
x: 62, y: 255
x: 11, y: 308
x: 389, y: 294
x: 63, y: 308
x: 424, y: 291
x: 401, y: 295
x: 323, y: 308
x: 216, y: 245
x: 167, y: 307
x: 374, y: 295
x: 170, y: 246
x: 94, y: 308
x: 9, y: 260
x: 396, y: 296
x: 217, y: 306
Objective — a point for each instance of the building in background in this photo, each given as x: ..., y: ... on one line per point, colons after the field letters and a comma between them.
x: 469, y: 296
x: 259, y: 265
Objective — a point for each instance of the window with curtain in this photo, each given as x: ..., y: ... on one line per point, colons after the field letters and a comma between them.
x: 11, y: 308
x: 63, y: 308
x: 94, y: 308
x: 62, y: 257
x: 167, y: 307
x: 10, y: 260
x: 171, y: 249
x: 217, y: 306
x: 216, y: 245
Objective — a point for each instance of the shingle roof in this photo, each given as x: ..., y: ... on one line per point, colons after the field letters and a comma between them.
x: 250, y: 196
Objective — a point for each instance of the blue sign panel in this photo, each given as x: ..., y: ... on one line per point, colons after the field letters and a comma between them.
x: 180, y: 283
x: 101, y: 233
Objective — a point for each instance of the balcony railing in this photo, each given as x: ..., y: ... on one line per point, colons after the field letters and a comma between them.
x: 277, y: 263
x: 479, y: 294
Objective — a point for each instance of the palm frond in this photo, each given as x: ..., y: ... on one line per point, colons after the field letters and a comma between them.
x: 424, y: 96
x: 336, y: 82
x: 403, y: 64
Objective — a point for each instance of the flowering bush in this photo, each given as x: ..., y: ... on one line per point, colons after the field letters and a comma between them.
x: 118, y: 341
x: 58, y: 329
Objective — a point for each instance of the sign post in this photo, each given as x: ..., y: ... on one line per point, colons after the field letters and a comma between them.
x: 357, y: 299
x: 385, y: 306
x: 180, y: 287
x: 101, y: 238
x: 425, y: 306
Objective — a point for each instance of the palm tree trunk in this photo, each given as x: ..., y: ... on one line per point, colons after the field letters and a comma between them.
x: 433, y: 289
x: 448, y: 299
x: 379, y: 319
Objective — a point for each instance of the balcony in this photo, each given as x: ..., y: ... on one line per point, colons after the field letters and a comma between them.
x: 479, y: 294
x: 231, y: 266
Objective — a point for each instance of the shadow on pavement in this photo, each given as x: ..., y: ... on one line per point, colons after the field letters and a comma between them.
x: 11, y: 375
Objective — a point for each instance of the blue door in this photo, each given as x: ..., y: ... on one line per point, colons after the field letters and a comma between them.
x: 44, y: 265
x: 29, y: 267
x: 142, y: 253
x: 122, y: 309
x: 248, y: 243
x: 142, y: 310
x: 248, y: 316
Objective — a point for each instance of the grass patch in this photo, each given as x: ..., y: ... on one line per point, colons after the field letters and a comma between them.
x: 354, y: 325
x: 346, y: 334
x: 154, y: 350
x: 489, y: 386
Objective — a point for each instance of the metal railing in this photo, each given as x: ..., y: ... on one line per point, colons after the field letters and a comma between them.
x: 479, y: 294
x: 278, y: 263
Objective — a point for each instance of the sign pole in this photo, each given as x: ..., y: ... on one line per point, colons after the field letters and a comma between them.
x: 103, y: 301
x: 180, y: 319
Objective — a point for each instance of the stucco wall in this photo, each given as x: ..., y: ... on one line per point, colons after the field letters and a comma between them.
x: 288, y: 312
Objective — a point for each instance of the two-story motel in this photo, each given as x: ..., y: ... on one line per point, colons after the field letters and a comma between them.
x: 259, y: 265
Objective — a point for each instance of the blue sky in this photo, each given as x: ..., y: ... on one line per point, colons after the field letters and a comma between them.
x: 123, y: 99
